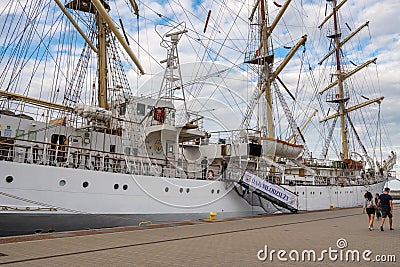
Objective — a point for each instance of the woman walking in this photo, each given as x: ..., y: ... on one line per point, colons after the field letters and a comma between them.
x: 369, y: 207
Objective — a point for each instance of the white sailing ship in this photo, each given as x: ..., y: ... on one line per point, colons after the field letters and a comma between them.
x: 78, y: 150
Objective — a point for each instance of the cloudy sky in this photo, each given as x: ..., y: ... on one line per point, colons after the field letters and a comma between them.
x: 223, y: 96
x: 228, y: 25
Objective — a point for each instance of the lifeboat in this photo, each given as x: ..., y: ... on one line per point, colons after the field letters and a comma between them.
x: 280, y: 148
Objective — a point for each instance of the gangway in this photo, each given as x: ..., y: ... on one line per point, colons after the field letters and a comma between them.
x: 274, y: 193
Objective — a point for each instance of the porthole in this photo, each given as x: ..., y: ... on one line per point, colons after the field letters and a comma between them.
x: 187, y: 190
x: 181, y: 190
x: 116, y: 186
x: 125, y: 187
x: 166, y: 189
x: 303, y: 193
x: 218, y: 191
x: 320, y: 193
x: 9, y: 179
x: 212, y: 191
x: 85, y: 184
x: 62, y: 182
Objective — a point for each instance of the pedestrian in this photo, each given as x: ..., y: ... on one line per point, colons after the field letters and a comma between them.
x: 224, y: 165
x: 369, y: 207
x: 377, y: 208
x: 386, y: 204
x: 204, y: 163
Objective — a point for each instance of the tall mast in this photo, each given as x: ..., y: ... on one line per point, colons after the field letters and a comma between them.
x: 341, y: 99
x: 268, y: 55
x: 102, y: 64
x: 102, y: 32
x: 267, y: 69
x: 262, y: 57
x: 105, y: 26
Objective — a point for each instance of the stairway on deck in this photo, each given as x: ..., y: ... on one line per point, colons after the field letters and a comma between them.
x: 274, y: 193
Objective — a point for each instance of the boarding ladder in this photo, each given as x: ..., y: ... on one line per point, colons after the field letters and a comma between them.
x: 270, y: 192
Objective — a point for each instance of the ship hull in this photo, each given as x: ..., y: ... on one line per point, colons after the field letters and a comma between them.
x: 44, y: 198
x: 323, y: 197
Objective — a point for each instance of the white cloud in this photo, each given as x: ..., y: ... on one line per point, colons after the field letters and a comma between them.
x: 225, y: 42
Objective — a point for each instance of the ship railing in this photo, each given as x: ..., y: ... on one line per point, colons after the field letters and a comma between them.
x: 43, y: 153
x: 194, y: 170
x: 308, y: 179
x: 236, y: 170
x: 330, y: 181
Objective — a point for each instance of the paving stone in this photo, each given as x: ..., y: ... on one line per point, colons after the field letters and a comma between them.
x: 223, y: 242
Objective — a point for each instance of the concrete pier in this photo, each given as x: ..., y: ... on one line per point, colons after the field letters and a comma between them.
x: 325, y: 238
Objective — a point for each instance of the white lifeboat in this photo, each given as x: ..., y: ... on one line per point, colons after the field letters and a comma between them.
x: 91, y: 112
x: 280, y: 148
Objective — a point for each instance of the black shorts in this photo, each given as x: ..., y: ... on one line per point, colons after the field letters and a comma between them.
x: 370, y: 211
x: 386, y: 213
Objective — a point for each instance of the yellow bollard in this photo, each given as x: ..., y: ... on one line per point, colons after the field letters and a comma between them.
x: 212, y: 215
x: 144, y: 223
x: 331, y: 206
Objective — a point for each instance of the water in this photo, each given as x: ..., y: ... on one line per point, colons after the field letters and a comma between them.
x: 25, y: 224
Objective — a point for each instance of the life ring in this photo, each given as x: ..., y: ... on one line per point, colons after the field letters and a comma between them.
x: 210, y: 175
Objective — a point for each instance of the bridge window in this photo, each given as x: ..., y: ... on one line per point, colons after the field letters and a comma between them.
x: 58, y: 139
x: 141, y: 109
x: 122, y: 109
x: 20, y: 133
x: 112, y: 148
x: 32, y: 135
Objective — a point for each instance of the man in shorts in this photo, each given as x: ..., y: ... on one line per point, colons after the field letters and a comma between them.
x: 386, y: 204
